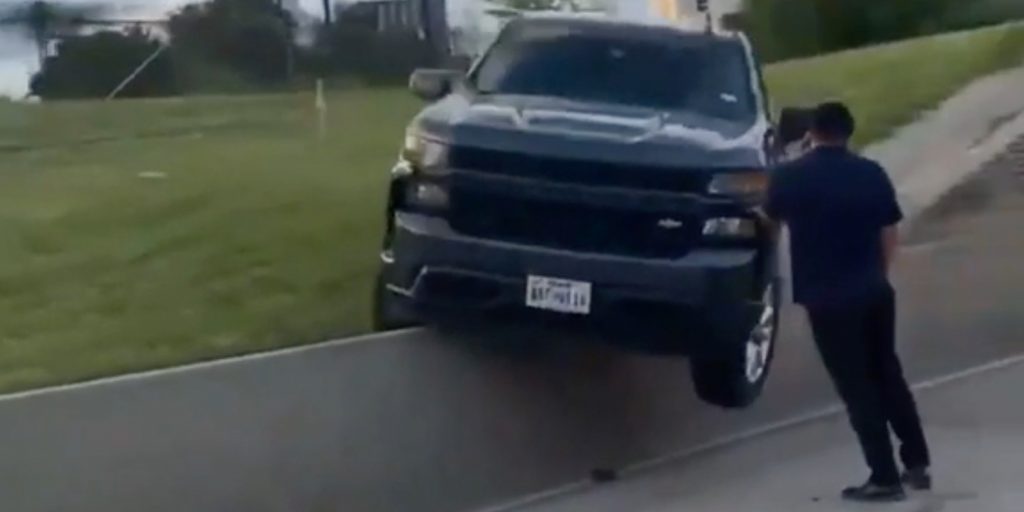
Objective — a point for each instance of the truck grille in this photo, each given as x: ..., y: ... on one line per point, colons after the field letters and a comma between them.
x: 572, y: 227
x: 581, y: 172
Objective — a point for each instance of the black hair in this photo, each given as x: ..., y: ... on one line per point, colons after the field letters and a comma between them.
x: 833, y: 121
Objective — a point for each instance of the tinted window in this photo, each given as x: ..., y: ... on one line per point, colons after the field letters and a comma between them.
x: 657, y: 68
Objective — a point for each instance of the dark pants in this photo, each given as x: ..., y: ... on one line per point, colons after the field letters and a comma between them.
x: 857, y: 341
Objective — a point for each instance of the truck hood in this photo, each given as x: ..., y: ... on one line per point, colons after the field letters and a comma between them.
x: 569, y: 129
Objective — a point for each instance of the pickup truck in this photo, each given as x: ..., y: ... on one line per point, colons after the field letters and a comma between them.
x: 600, y: 171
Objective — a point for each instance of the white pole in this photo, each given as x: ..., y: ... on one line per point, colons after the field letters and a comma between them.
x: 113, y: 94
x: 321, y: 108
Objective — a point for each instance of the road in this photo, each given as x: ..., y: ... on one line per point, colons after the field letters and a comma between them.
x: 961, y: 287
x: 975, y: 426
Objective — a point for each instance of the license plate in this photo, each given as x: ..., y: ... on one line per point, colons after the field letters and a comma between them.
x: 559, y: 295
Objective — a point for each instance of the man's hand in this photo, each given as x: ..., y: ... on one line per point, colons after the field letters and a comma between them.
x: 761, y: 214
x: 767, y: 221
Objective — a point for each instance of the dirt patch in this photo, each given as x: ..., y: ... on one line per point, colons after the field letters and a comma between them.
x: 995, y: 125
x: 1000, y: 180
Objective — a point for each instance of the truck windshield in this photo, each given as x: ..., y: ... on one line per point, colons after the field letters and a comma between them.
x: 652, y: 68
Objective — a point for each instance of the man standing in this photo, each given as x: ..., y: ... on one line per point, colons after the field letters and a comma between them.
x: 842, y: 213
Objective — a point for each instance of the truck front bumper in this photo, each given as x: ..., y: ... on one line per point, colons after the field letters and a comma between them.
x: 706, y: 301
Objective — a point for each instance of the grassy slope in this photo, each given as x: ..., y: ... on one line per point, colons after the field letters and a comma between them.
x: 260, y: 235
x: 889, y: 85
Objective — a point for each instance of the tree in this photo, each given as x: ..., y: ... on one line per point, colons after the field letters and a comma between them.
x: 794, y: 28
x: 90, y: 66
x: 253, y: 38
x: 45, y: 21
x: 357, y: 50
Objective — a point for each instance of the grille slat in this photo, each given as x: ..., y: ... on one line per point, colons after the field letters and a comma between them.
x: 581, y: 172
x: 571, y: 227
x: 514, y: 211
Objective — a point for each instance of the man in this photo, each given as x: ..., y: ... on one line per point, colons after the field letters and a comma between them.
x: 842, y: 213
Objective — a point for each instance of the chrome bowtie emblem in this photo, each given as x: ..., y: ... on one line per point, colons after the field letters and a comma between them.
x: 669, y: 224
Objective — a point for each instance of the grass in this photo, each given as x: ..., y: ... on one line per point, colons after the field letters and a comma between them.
x: 145, y: 234
x: 258, y: 237
x: 888, y: 86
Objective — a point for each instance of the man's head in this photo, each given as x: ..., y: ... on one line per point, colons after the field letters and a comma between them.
x: 832, y: 124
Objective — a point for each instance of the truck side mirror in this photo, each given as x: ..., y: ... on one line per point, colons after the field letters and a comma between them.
x: 433, y: 84
x: 794, y: 123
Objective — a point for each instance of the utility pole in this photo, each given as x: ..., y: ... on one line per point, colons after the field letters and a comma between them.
x: 704, y: 7
x: 328, y: 13
x: 288, y: 40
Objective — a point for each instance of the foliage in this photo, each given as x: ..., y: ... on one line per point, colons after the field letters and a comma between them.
x: 354, y: 49
x: 794, y: 28
x: 93, y: 65
x: 253, y: 38
x: 984, y: 12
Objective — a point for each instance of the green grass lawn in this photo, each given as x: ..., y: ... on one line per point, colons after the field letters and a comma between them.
x: 258, y: 235
x: 888, y: 86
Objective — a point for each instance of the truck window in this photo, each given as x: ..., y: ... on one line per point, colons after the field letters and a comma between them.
x: 658, y: 69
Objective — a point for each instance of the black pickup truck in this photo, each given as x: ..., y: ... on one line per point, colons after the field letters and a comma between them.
x: 601, y: 171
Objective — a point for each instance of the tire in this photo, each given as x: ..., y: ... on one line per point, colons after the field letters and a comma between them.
x: 389, y: 312
x: 736, y: 381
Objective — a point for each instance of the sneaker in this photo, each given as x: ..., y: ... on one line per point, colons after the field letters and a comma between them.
x: 874, y: 493
x: 917, y: 479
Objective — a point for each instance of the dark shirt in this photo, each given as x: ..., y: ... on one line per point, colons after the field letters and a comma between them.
x: 836, y: 205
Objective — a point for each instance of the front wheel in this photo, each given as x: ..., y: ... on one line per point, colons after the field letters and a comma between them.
x: 736, y: 381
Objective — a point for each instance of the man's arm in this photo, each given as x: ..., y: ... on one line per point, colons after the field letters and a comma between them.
x: 890, y: 245
x: 889, y: 216
x: 773, y: 211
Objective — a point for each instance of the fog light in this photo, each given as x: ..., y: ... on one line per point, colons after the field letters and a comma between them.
x: 403, y: 169
x: 751, y: 184
x: 426, y: 156
x: 732, y: 227
x: 427, y: 195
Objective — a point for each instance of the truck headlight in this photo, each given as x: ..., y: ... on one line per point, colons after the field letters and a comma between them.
x: 730, y: 227
x: 427, y: 195
x: 420, y: 154
x: 743, y: 184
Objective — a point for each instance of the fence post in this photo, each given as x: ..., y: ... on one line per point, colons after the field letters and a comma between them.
x: 321, y: 108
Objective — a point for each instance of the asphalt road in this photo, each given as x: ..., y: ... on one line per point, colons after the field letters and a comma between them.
x: 961, y: 288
